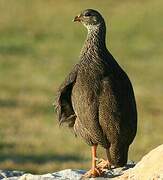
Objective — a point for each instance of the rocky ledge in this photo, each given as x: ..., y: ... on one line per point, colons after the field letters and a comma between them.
x: 149, y: 168
x: 61, y: 175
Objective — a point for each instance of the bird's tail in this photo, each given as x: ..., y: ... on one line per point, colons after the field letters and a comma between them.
x: 119, y: 155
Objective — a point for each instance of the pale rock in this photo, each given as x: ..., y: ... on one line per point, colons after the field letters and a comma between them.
x: 149, y: 168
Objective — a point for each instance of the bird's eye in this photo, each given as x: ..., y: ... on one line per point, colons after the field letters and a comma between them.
x: 87, y: 14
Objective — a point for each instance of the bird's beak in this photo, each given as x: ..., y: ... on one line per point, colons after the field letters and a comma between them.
x: 77, y: 18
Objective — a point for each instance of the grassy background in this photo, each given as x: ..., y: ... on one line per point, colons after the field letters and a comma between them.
x: 38, y: 46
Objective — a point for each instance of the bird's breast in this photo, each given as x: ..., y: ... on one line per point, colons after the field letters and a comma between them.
x: 87, y: 86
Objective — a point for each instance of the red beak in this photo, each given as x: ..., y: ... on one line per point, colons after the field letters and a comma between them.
x: 77, y: 18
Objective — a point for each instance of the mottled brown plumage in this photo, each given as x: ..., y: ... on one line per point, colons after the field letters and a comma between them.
x: 97, y: 99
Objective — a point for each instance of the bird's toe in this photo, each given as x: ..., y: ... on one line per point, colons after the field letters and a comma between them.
x: 103, y: 165
x: 93, y: 173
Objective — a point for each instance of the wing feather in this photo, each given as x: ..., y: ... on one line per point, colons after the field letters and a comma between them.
x: 63, y: 102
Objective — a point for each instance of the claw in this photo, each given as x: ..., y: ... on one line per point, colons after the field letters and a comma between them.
x: 103, y: 165
x: 93, y: 173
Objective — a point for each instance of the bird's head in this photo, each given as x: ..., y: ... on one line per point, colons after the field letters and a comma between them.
x: 89, y: 18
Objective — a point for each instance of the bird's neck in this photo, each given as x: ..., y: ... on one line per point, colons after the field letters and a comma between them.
x: 95, y: 41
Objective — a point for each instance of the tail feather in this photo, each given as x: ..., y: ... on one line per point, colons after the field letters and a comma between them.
x: 119, y: 155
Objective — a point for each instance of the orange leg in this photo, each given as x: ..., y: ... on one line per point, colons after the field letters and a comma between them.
x: 108, y: 158
x: 94, y: 158
x: 105, y: 164
x: 94, y: 171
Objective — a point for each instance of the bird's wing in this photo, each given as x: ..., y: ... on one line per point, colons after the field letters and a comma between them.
x: 117, y: 116
x: 63, y: 102
x: 117, y: 108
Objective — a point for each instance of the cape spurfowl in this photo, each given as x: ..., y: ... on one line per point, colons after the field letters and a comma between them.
x: 97, y: 99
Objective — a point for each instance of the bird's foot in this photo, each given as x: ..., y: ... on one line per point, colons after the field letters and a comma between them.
x: 103, y: 165
x: 93, y: 173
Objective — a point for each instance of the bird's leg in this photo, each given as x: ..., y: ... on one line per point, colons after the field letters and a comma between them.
x: 94, y: 171
x: 94, y: 159
x: 108, y: 158
x: 105, y: 164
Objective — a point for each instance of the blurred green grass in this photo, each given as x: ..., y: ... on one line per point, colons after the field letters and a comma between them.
x: 39, y: 45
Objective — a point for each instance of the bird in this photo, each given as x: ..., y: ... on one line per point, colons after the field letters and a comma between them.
x: 97, y: 99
